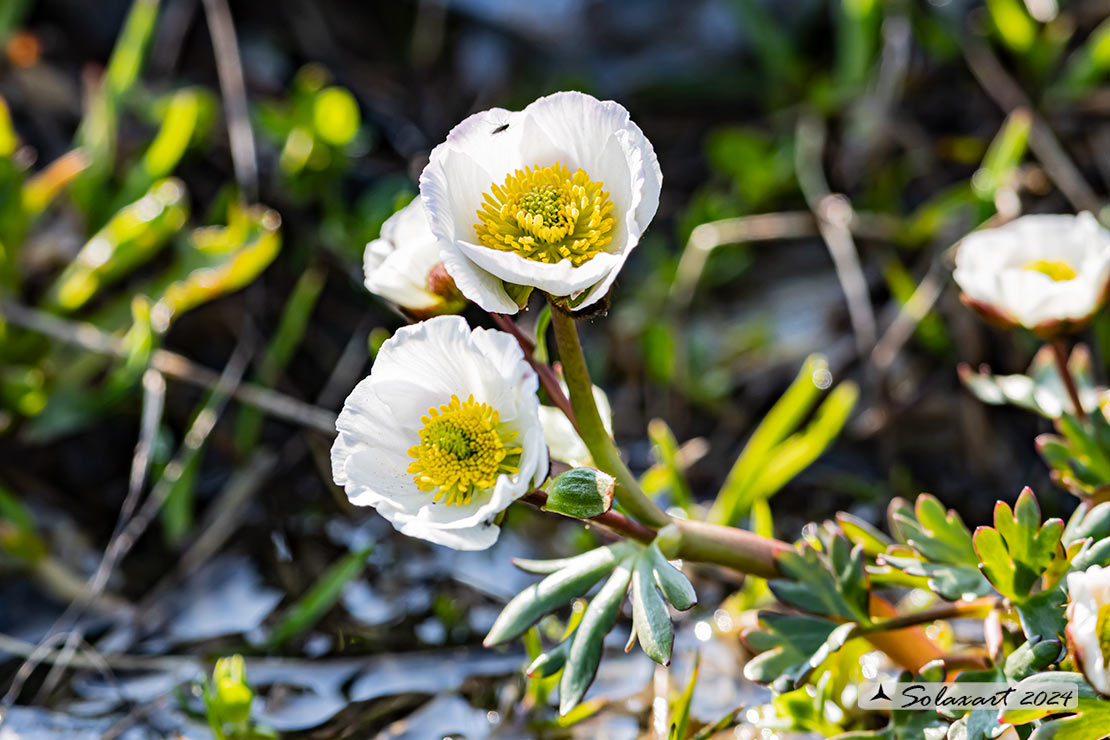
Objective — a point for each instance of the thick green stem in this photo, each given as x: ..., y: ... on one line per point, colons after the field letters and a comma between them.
x: 590, y: 427
x: 738, y: 549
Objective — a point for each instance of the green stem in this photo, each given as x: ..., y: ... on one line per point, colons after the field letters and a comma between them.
x: 590, y: 427
x: 738, y: 549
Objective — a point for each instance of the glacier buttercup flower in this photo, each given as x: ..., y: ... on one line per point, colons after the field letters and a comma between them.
x: 552, y: 197
x: 1048, y: 273
x: 1088, y: 627
x: 444, y: 434
x: 403, y: 265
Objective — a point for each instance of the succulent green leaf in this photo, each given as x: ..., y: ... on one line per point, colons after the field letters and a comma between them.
x: 650, y: 619
x: 551, y: 662
x: 574, y: 579
x: 672, y: 582
x: 952, y: 582
x: 586, y: 645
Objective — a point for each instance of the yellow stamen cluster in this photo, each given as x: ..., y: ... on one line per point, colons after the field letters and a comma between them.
x: 1056, y: 270
x: 547, y: 214
x: 462, y: 449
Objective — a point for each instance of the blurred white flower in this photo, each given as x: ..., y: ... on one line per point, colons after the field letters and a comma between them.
x: 444, y: 434
x: 1088, y: 628
x: 552, y: 197
x: 1048, y: 273
x: 563, y: 442
x: 403, y: 265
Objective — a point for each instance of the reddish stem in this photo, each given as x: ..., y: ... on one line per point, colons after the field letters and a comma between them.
x: 548, y: 379
x: 611, y: 520
x: 1060, y: 352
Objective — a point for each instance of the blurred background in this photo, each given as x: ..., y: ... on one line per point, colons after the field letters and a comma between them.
x: 186, y: 190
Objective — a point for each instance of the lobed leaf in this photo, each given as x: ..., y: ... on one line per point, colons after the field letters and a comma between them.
x: 1017, y: 551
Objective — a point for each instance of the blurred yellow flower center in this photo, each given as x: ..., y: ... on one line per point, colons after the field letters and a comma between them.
x: 1102, y: 630
x: 547, y: 214
x: 461, y: 449
x: 1056, y: 270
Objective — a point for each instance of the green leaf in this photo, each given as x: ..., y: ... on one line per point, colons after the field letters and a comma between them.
x: 1017, y: 551
x: 952, y: 582
x: 672, y: 582
x: 586, y: 645
x: 666, y: 451
x: 574, y: 578
x: 1042, y: 614
x: 287, y: 338
x: 787, y: 413
x: 131, y: 237
x: 784, y: 647
x: 680, y: 709
x: 321, y: 597
x: 862, y: 533
x: 834, y: 584
x: 1088, y: 522
x: 650, y: 619
x: 939, y: 535
x: 1003, y: 155
x: 551, y: 662
x: 1090, y: 703
x: 1032, y: 656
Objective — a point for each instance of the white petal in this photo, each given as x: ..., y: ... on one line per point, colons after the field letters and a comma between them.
x: 422, y: 366
x: 396, y: 266
x: 991, y: 267
x: 571, y: 128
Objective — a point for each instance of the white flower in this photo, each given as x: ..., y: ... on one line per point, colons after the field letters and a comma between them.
x: 403, y: 265
x: 1046, y: 273
x: 553, y: 197
x: 563, y: 442
x: 1088, y: 612
x: 444, y: 434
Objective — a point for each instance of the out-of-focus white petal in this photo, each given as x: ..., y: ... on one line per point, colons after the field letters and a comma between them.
x: 995, y: 269
x: 1088, y: 592
x: 563, y: 442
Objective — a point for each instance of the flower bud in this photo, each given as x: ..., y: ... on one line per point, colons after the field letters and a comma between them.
x: 404, y: 266
x: 582, y: 493
x: 231, y: 697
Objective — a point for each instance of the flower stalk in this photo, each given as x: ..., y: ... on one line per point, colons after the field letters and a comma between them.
x: 590, y: 427
x: 1060, y: 353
